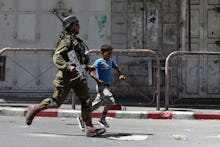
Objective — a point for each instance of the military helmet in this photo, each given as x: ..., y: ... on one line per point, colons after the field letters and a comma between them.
x: 68, y: 20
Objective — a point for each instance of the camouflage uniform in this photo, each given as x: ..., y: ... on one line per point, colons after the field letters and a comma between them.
x: 66, y: 80
x: 62, y: 80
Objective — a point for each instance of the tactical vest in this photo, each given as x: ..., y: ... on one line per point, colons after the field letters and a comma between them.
x: 80, y: 48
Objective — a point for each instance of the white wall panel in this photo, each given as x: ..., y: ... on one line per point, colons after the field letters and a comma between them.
x: 6, y: 5
x: 98, y: 5
x: 76, y: 5
x: 50, y: 29
x: 48, y: 5
x: 27, y: 27
x: 27, y: 5
x: 8, y: 32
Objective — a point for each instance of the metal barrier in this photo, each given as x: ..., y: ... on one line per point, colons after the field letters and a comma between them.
x: 24, y: 49
x: 2, y: 51
x: 115, y: 51
x: 146, y: 52
x: 169, y: 59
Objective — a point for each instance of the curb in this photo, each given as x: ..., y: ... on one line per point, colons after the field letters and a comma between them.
x: 8, y: 111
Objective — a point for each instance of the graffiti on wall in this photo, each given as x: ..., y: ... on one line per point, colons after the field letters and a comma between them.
x: 153, y: 25
x: 101, y: 22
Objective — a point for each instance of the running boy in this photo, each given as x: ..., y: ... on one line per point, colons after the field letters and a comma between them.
x: 101, y: 72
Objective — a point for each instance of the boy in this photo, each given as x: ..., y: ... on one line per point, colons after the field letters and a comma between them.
x: 101, y: 72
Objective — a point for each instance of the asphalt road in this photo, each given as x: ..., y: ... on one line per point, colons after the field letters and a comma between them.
x: 64, y: 132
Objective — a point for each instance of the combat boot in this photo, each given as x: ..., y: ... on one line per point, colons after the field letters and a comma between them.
x: 92, y: 131
x: 32, y: 111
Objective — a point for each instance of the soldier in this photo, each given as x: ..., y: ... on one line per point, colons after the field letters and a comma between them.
x: 63, y: 83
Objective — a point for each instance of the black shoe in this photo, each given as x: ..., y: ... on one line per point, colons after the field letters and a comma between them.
x: 103, y: 123
x: 81, y: 123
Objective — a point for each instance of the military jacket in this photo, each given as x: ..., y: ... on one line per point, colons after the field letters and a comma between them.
x: 60, y: 57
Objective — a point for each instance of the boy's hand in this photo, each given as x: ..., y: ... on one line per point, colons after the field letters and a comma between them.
x: 99, y: 82
x: 122, y: 77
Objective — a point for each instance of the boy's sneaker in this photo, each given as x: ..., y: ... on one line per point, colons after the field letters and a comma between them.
x: 81, y: 123
x: 103, y: 123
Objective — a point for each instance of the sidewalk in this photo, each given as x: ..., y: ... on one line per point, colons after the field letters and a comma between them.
x: 8, y: 109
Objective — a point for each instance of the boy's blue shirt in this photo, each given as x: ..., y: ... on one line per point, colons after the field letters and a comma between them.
x: 104, y: 69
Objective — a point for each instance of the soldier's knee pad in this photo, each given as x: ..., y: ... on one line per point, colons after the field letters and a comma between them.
x: 49, y: 103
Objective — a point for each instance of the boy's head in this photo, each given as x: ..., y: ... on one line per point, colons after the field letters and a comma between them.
x: 106, y: 51
x: 106, y: 47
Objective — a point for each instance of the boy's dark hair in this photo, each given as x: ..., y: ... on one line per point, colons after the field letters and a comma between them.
x: 106, y: 47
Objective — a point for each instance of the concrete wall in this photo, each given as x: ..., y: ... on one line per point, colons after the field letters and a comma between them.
x: 161, y: 25
x: 30, y: 23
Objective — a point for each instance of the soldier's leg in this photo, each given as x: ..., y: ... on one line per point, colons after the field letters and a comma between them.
x: 59, y: 96
x: 82, y: 91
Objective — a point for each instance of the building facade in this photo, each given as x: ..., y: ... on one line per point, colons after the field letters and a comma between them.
x: 163, y: 26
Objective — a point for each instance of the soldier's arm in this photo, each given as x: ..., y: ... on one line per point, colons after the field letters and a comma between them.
x: 58, y: 59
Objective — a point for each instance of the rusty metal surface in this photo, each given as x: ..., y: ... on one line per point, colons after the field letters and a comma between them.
x: 24, y: 49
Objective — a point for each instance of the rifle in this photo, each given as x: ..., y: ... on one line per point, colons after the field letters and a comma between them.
x: 79, y: 67
x: 61, y: 19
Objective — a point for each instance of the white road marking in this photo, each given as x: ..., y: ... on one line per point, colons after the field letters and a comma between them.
x: 130, y: 137
x: 218, y: 136
x: 48, y: 135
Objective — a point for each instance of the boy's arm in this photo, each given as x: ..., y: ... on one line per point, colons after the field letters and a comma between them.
x: 92, y: 74
x: 121, y: 74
